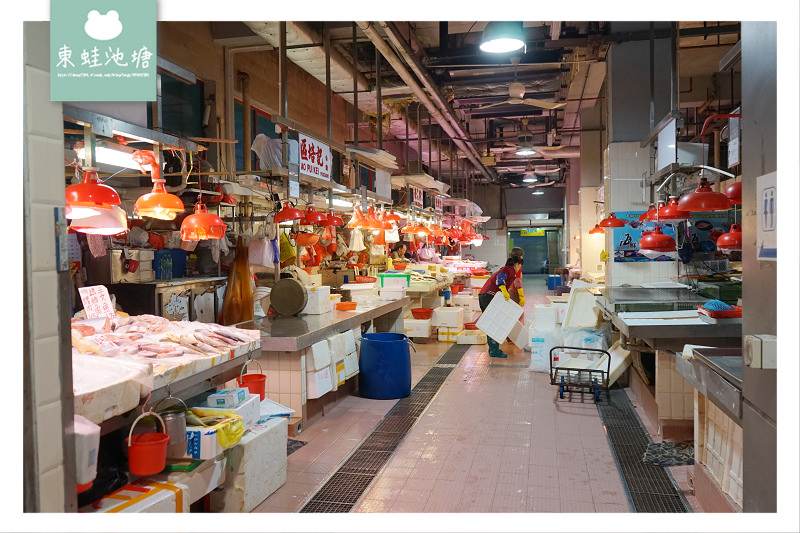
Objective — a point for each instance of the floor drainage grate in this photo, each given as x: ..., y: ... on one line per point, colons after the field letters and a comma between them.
x: 650, y: 489
x: 346, y: 486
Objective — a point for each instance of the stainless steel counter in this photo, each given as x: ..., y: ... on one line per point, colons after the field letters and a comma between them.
x: 673, y: 333
x: 717, y: 374
x: 294, y: 333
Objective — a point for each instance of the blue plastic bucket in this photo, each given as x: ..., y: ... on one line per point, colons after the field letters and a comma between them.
x: 384, y: 371
x: 446, y: 294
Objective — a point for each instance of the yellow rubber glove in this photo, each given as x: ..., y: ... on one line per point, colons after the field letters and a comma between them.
x: 505, y: 292
x: 521, y: 297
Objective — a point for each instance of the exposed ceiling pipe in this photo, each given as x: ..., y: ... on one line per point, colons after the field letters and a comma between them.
x: 404, y: 49
x: 370, y: 31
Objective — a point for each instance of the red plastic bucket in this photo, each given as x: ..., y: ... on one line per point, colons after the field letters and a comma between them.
x: 255, y: 383
x: 456, y: 289
x: 147, y: 452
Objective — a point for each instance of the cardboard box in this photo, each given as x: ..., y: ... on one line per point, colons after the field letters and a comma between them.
x: 417, y: 328
x: 318, y: 356
x: 450, y: 317
x: 204, y: 442
x: 258, y: 467
x: 471, y: 336
x: 446, y: 334
x: 227, y: 398
x: 318, y: 383
x: 249, y: 410
x: 350, y: 364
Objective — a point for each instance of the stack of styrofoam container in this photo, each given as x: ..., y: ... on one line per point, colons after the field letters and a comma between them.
x: 477, y: 281
x: 449, y: 322
x: 543, y: 335
x: 337, y: 350
x: 350, y: 353
x: 319, y: 300
x: 417, y: 328
x: 471, y: 336
x: 392, y: 293
x: 463, y: 300
x: 432, y: 302
x: 362, y: 293
x: 319, y: 379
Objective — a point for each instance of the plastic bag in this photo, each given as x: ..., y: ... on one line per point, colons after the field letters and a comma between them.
x: 392, y: 236
x: 230, y: 430
x: 541, y: 341
x: 286, y: 249
x: 237, y: 305
x: 341, y: 249
x: 598, y: 338
x: 357, y: 241
x: 259, y: 251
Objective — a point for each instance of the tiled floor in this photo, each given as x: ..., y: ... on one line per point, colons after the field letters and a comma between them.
x: 495, y: 439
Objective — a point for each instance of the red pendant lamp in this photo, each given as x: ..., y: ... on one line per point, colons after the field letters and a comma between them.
x: 289, y: 213
x: 334, y: 220
x: 313, y: 217
x: 393, y: 217
x: 656, y: 241
x: 652, y: 215
x: 704, y: 199
x: 731, y: 241
x: 644, y: 217
x: 357, y: 220
x: 202, y: 225
x: 89, y: 197
x: 596, y: 230
x: 611, y: 221
x: 158, y: 203
x: 671, y: 213
x: 734, y: 193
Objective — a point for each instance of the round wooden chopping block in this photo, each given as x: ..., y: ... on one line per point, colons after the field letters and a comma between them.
x: 288, y: 297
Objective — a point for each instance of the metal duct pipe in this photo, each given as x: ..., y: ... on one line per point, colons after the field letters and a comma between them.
x: 401, y: 70
x: 408, y: 56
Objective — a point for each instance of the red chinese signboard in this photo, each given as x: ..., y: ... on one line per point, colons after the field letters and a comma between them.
x: 315, y: 158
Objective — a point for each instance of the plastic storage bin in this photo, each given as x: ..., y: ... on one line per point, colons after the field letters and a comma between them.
x: 384, y: 366
x: 178, y: 259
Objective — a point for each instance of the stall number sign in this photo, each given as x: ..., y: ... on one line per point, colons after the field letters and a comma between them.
x: 96, y: 302
x: 417, y: 196
x: 103, y: 50
x: 315, y: 158
x: 437, y: 204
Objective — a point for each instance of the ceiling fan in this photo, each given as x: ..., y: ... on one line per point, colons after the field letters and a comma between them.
x: 524, y: 144
x: 516, y: 93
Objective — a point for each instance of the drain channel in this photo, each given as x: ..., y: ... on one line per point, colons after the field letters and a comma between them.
x: 650, y: 489
x: 346, y: 486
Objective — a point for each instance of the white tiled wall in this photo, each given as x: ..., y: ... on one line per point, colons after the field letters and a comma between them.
x: 718, y: 446
x: 590, y: 245
x: 286, y: 378
x: 674, y: 395
x: 44, y: 173
x: 627, y: 162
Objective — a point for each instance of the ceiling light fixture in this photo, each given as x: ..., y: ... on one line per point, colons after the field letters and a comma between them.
x: 110, y: 221
x: 334, y: 220
x: 89, y: 198
x: 314, y: 217
x: 159, y: 203
x: 537, y: 192
x: 704, y: 199
x: 731, y: 241
x: 596, y: 230
x: 734, y: 193
x: 202, y: 225
x: 612, y: 222
x: 289, y: 213
x: 656, y: 241
x: 502, y: 36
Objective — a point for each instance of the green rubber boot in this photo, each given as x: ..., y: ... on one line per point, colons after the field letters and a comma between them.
x: 494, y: 348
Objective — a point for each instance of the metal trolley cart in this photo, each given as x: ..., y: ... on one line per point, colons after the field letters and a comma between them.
x: 581, y: 370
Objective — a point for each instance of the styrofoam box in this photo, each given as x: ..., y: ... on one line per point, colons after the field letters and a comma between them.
x: 350, y: 364
x: 477, y: 281
x: 392, y: 293
x: 432, y: 302
x: 203, y: 443
x: 519, y: 335
x: 258, y: 466
x: 581, y: 310
x: 338, y: 373
x: 318, y: 383
x: 200, y: 481
x: 446, y: 334
x: 318, y: 356
x: 471, y: 336
x: 249, y: 410
x: 337, y: 344
x: 499, y: 317
x: 561, y: 310
x: 352, y: 339
x: 417, y: 328
x: 148, y: 495
x: 319, y: 300
x: 463, y: 300
x: 451, y: 317
x: 87, y: 444
x: 544, y: 316
x: 227, y: 398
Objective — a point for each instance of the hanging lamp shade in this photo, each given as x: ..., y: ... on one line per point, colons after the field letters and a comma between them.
x: 652, y: 215
x: 202, y: 225
x: 731, y: 241
x: 611, y: 221
x: 334, y: 220
x: 357, y: 220
x: 411, y: 227
x: 111, y: 221
x: 288, y: 214
x: 704, y: 199
x: 393, y: 217
x: 656, y: 241
x: 385, y: 223
x: 644, y: 217
x: 313, y: 217
x: 159, y: 203
x: 89, y: 197
x: 734, y: 193
x: 671, y: 213
x: 596, y: 230
x: 423, y: 231
x: 502, y: 36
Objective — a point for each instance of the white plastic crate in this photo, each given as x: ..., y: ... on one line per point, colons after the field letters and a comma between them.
x: 417, y: 328
x: 450, y: 317
x: 471, y: 336
x: 318, y: 356
x: 392, y: 293
x: 319, y: 300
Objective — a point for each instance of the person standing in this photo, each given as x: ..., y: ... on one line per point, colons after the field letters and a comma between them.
x: 516, y: 293
x: 500, y: 281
